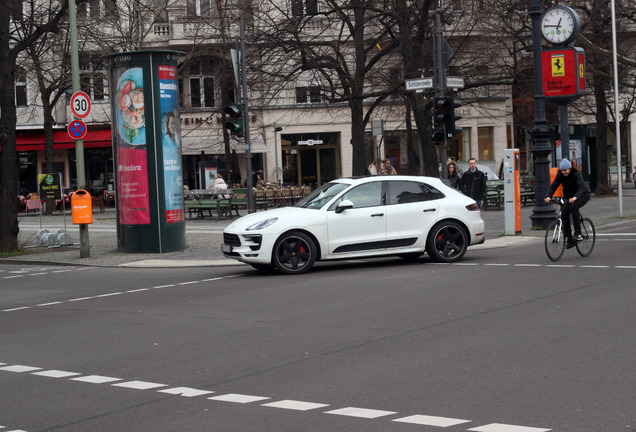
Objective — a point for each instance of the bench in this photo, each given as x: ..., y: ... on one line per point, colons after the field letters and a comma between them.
x: 527, y: 189
x: 240, y: 200
x: 219, y: 202
x: 494, y: 194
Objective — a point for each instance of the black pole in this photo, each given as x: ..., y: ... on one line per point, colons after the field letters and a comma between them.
x: 540, y: 132
x: 440, y: 82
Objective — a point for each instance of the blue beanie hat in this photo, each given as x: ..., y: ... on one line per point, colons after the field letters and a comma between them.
x: 565, y: 164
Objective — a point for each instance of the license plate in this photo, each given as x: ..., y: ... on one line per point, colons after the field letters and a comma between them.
x: 226, y: 248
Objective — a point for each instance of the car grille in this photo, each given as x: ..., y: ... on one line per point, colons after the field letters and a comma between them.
x: 231, y: 239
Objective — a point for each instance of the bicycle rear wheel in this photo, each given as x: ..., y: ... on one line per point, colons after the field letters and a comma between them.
x: 585, y: 246
x: 554, y: 241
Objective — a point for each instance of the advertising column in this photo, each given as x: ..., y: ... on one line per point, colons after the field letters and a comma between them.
x: 147, y: 151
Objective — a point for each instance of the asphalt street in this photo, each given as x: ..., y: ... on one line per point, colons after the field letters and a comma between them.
x: 504, y: 341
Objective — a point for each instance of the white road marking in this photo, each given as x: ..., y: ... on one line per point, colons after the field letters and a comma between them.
x: 185, y: 391
x: 139, y: 385
x: 16, y: 309
x: 96, y: 379
x: 189, y: 282
x: 56, y: 373
x: 431, y: 420
x: 625, y: 267
x: 497, y: 264
x: 163, y: 286
x: 138, y: 290
x: 528, y: 265
x: 594, y: 266
x: 561, y: 265
x: 19, y: 368
x: 80, y: 299
x: 295, y: 405
x: 49, y: 304
x: 499, y: 427
x: 238, y: 398
x: 109, y: 294
x: 12, y: 277
x: 361, y: 412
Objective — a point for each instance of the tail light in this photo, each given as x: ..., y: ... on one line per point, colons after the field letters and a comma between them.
x: 472, y: 207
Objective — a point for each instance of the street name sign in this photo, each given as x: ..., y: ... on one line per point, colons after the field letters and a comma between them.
x: 454, y: 82
x: 418, y: 84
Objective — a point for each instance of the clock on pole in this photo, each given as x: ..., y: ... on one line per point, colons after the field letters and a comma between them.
x: 560, y: 25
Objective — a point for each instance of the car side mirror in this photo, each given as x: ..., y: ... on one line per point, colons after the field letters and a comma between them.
x: 344, y: 204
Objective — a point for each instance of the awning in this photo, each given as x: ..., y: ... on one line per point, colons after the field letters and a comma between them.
x: 34, y: 140
x: 213, y: 144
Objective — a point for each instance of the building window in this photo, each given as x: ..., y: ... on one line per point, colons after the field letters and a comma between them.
x: 310, y: 94
x: 93, y: 78
x: 198, y: 8
x: 201, y: 83
x: 304, y: 7
x: 485, y: 142
x: 20, y: 88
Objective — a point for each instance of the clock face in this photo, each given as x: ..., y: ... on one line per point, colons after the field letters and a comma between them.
x: 559, y: 25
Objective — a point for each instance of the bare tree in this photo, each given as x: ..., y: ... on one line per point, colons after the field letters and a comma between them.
x: 21, y: 25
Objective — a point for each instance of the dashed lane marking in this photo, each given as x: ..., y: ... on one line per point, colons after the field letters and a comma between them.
x: 238, y: 398
x: 140, y: 385
x: 426, y: 420
x: 132, y: 291
x: 96, y: 379
x: 288, y: 404
x: 361, y: 412
x: 499, y: 427
x: 295, y: 405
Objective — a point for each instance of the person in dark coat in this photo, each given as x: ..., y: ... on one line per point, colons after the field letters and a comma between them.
x: 452, y: 174
x: 473, y: 182
x: 576, y: 194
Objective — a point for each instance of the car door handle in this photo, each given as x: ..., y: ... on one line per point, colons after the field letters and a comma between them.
x: 377, y: 214
x: 428, y: 210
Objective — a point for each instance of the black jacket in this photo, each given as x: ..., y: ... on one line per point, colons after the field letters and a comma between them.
x: 573, y: 185
x: 473, y: 184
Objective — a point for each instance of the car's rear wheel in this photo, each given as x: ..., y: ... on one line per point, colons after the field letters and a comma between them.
x: 294, y: 253
x: 447, y: 242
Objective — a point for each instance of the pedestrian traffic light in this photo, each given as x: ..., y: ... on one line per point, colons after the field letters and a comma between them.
x: 234, y: 122
x: 438, y: 134
x: 451, y: 116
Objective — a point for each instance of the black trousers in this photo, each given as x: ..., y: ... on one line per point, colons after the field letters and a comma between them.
x: 573, y: 209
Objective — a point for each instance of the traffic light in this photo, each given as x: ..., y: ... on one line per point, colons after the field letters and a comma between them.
x: 438, y: 134
x: 234, y: 122
x: 451, y: 116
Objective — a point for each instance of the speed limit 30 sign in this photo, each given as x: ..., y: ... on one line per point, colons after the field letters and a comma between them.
x: 80, y: 104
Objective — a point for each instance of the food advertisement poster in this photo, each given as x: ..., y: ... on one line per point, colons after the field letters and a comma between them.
x: 171, y: 143
x: 130, y: 145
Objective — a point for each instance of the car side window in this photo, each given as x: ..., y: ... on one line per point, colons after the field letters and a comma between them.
x: 365, y: 195
x: 402, y: 192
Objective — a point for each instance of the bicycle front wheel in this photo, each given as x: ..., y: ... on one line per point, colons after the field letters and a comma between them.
x: 585, y: 246
x: 554, y: 241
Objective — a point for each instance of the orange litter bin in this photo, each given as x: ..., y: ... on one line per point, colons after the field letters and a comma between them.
x: 82, y: 207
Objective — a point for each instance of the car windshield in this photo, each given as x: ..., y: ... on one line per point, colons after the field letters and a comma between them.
x: 321, y: 196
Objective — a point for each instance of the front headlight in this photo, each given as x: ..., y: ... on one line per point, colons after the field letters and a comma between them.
x: 261, y: 225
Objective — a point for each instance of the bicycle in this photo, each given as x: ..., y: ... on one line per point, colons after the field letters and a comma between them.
x: 555, y: 238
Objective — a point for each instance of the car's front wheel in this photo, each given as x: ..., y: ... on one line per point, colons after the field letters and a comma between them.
x: 294, y: 253
x: 447, y: 242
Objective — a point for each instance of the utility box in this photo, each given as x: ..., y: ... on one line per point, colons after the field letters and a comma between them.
x: 82, y: 207
x: 553, y: 173
x: 512, y: 191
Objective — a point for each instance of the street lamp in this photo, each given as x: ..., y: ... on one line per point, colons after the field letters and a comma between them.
x: 540, y: 132
x: 276, y: 129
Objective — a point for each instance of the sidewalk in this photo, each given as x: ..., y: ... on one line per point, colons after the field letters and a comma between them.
x: 204, y: 237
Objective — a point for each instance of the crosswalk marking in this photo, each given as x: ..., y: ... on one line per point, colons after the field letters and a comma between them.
x: 19, y: 368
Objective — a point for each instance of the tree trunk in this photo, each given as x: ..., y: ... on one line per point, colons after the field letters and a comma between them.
x: 9, y: 162
x: 357, y: 137
x: 602, y: 185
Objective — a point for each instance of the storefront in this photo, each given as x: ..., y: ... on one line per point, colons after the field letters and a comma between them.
x: 310, y: 159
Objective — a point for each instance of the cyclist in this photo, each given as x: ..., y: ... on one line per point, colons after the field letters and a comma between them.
x: 576, y: 194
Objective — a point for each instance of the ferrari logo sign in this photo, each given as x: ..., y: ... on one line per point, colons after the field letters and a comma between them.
x: 558, y: 65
